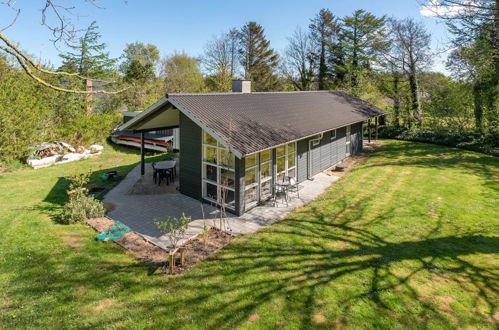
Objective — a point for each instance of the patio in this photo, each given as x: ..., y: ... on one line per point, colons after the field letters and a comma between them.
x: 137, y: 202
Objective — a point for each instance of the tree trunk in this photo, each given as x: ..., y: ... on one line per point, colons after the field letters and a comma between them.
x: 396, y: 98
x: 413, y: 86
x: 322, y: 66
x: 355, y: 60
x: 478, y: 106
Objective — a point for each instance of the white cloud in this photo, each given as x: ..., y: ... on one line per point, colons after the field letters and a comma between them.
x: 436, y: 8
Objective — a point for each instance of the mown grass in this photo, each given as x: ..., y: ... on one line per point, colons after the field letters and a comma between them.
x: 408, y: 239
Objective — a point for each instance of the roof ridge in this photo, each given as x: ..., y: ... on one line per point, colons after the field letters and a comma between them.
x: 252, y: 93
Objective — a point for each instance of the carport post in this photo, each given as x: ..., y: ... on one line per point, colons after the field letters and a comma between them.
x: 142, y: 152
x: 376, y: 132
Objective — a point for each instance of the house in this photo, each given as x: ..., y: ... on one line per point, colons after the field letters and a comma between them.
x: 236, y: 145
x: 158, y: 140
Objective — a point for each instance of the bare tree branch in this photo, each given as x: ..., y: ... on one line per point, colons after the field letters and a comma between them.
x: 63, y: 30
x: 17, y: 11
x: 30, y: 73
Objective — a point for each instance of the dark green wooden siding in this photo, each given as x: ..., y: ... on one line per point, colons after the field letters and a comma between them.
x: 328, y: 152
x: 239, y: 186
x: 190, y: 158
x: 302, y: 162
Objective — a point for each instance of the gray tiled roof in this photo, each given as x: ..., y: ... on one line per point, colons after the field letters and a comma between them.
x: 255, y: 121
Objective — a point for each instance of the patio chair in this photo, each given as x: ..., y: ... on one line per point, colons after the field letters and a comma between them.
x: 280, y: 192
x: 293, y: 186
x: 154, y: 173
x: 166, y: 174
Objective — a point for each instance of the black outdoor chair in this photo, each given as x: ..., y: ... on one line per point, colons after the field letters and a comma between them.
x: 166, y: 174
x: 154, y: 173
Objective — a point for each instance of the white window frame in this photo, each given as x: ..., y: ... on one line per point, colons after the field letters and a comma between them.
x: 286, y: 161
x: 262, y: 180
x: 333, y: 135
x: 219, y: 147
x: 273, y: 175
x: 255, y: 184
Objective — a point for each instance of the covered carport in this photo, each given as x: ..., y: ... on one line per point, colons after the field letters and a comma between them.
x: 160, y: 115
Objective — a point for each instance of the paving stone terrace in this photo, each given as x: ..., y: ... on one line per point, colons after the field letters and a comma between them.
x: 137, y: 202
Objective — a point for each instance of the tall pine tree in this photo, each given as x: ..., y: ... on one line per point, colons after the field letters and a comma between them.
x: 362, y: 40
x: 324, y: 29
x: 88, y: 56
x: 257, y: 58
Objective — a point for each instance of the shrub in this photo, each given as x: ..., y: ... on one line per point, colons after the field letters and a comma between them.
x: 81, y: 208
x: 487, y: 142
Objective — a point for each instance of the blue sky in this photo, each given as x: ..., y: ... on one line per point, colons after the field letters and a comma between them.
x: 187, y: 25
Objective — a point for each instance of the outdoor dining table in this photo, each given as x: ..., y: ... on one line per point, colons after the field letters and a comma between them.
x: 281, y: 189
x: 165, y: 164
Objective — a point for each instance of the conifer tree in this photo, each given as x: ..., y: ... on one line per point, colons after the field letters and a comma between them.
x: 324, y: 29
x: 362, y: 40
x: 257, y: 58
x: 88, y: 56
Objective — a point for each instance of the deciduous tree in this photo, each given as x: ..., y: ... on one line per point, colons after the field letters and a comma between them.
x: 410, y: 52
x: 181, y: 73
x: 299, y: 67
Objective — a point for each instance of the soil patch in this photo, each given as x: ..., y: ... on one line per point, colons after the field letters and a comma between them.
x: 73, y: 240
x: 196, y: 250
x: 103, y: 304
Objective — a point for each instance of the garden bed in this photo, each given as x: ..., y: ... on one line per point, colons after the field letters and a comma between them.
x: 196, y: 249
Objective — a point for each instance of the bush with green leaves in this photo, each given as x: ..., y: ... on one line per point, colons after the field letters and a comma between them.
x: 80, y: 206
x: 174, y: 228
x: 486, y: 142
x: 31, y: 114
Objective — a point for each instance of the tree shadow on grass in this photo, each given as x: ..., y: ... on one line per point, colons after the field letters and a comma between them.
x: 244, y: 272
x: 429, y: 156
x: 57, y: 197
x: 315, y: 259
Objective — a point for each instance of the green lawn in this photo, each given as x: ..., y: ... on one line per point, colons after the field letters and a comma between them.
x: 409, y: 238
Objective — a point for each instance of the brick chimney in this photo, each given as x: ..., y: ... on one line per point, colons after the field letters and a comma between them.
x: 241, y: 86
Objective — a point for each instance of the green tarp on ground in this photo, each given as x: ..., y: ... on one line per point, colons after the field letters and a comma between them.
x: 114, y: 232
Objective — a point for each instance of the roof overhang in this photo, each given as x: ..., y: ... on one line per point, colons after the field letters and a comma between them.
x: 160, y: 115
x: 166, y: 114
x: 189, y: 115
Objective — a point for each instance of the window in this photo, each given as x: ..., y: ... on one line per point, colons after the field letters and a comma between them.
x: 258, y: 177
x: 251, y: 180
x: 218, y: 172
x: 208, y: 139
x: 286, y: 161
x: 333, y: 134
x: 265, y: 174
x: 315, y: 143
